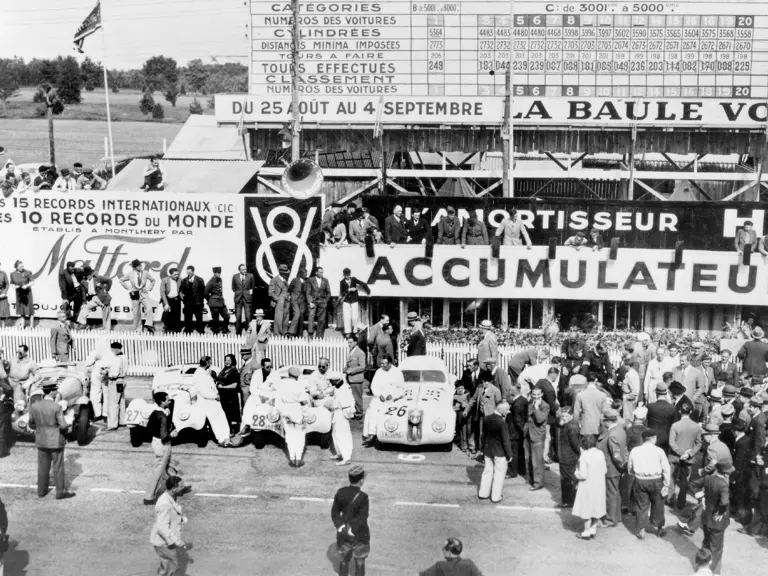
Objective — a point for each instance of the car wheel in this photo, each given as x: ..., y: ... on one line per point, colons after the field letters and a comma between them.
x: 325, y: 441
x: 258, y: 440
x: 83, y: 424
x: 137, y: 435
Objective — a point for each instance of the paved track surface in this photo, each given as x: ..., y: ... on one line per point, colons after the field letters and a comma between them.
x: 251, y: 514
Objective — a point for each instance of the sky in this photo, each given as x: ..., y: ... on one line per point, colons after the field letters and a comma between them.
x: 134, y: 30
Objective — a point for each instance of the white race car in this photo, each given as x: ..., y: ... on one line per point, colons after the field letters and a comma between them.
x: 262, y: 416
x: 186, y: 414
x: 424, y: 415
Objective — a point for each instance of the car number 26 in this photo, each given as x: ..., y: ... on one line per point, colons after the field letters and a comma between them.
x: 394, y: 410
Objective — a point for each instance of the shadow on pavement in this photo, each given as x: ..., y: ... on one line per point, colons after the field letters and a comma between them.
x: 333, y: 557
x: 15, y: 561
x: 71, y: 466
x: 474, y: 472
x: 185, y: 560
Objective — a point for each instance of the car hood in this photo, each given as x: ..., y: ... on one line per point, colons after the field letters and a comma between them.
x: 426, y: 396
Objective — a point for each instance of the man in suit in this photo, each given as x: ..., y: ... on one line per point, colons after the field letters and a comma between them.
x: 717, y: 514
x: 243, y: 284
x: 417, y: 342
x: 318, y: 295
x: 547, y: 386
x: 684, y: 444
x: 497, y: 452
x: 535, y: 433
x: 355, y: 370
x: 192, y: 290
x: 499, y: 378
x: 588, y: 407
x: 139, y: 283
x: 94, y: 290
x: 613, y: 444
x: 661, y: 416
x: 488, y: 348
x: 170, y: 296
x: 568, y: 456
x: 280, y: 300
x: 518, y: 414
x: 725, y: 366
x: 357, y: 229
x: 69, y: 287
x: 46, y: 418
x: 417, y: 229
x: 520, y: 360
x: 679, y: 398
x: 690, y: 377
x: 739, y: 480
x: 298, y: 297
x: 61, y: 338
x: 214, y: 295
x: 394, y: 227
x: 258, y: 335
x: 754, y: 354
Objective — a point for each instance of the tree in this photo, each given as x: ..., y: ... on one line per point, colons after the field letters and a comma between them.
x: 10, y: 69
x: 68, y: 80
x: 92, y: 73
x: 196, y: 74
x: 195, y: 107
x: 171, y: 93
x: 147, y: 103
x: 157, y: 112
x: 160, y: 72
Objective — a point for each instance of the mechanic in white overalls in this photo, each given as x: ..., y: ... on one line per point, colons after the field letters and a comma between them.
x: 387, y: 386
x: 115, y: 401
x: 208, y: 396
x: 291, y: 400
x: 341, y: 402
x: 99, y: 361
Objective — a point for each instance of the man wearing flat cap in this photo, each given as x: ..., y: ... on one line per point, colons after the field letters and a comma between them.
x: 214, y: 295
x: 46, y: 418
x: 650, y: 468
x: 349, y: 514
x: 279, y: 296
x: 448, y: 228
x: 89, y: 180
x: 661, y: 416
x: 115, y: 400
x: 139, y: 283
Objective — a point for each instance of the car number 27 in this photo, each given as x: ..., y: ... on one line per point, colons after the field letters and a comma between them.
x: 394, y: 410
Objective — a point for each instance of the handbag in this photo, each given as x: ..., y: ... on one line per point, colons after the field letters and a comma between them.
x: 343, y: 531
x: 134, y: 294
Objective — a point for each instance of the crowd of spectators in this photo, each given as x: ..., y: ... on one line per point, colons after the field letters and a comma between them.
x: 15, y: 181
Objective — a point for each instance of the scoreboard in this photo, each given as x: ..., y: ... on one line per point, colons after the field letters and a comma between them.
x: 641, y: 50
x: 622, y: 63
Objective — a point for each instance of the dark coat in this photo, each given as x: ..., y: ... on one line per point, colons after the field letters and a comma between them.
x: 496, y: 437
x: 352, y: 512
x: 394, y: 230
x: 570, y: 442
x: 101, y: 286
x: 661, y: 416
x: 447, y: 232
x: 754, y: 354
x: 214, y: 293
x: 613, y: 444
x: 679, y: 407
x: 418, y: 232
x: 46, y: 418
x: 317, y: 294
x: 635, y: 436
x: 518, y: 414
x: 351, y: 296
x: 243, y: 290
x: 550, y: 397
x: 741, y: 456
x: 417, y: 344
x: 192, y: 292
x: 67, y: 286
x: 716, y: 501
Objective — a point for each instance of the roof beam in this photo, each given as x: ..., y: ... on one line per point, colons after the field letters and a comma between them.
x: 651, y: 190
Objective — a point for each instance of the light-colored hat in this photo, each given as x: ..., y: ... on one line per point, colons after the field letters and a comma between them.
x: 412, y: 316
x: 259, y: 312
x: 610, y: 415
x: 294, y: 372
x: 486, y: 325
x: 335, y: 375
x: 661, y: 388
x: 757, y: 333
x: 640, y: 413
x: 716, y: 394
x: 643, y: 337
x: 728, y: 410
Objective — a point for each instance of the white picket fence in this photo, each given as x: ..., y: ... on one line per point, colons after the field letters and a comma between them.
x: 149, y: 353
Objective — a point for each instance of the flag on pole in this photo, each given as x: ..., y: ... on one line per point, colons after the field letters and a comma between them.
x: 88, y: 27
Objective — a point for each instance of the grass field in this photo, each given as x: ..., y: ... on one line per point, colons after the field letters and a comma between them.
x: 26, y: 140
x: 124, y: 106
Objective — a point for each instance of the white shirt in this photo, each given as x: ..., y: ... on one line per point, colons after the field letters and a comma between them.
x: 649, y: 461
x: 204, y: 383
x: 531, y: 375
x: 173, y: 291
x: 318, y: 384
x: 388, y: 383
x: 119, y: 367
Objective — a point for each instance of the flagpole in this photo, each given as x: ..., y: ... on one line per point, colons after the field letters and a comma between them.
x: 106, y: 88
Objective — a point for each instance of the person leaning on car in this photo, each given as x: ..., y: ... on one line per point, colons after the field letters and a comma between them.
x: 46, y: 418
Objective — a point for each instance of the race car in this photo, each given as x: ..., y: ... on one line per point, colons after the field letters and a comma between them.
x: 263, y: 420
x: 424, y: 415
x: 73, y: 382
x: 186, y: 413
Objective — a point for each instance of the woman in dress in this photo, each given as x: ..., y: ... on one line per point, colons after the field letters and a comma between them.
x: 590, y: 493
x: 25, y: 305
x: 5, y: 309
x: 228, y: 385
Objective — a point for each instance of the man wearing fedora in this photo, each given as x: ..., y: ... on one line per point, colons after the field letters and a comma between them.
x: 318, y: 295
x: 140, y: 283
x: 243, y: 284
x: 489, y: 346
x: 258, y: 335
x: 46, y: 418
x: 349, y: 515
x: 214, y: 295
x: 280, y: 301
x: 754, y: 354
x: 417, y: 341
x: 298, y: 297
x: 95, y: 295
x: 661, y: 416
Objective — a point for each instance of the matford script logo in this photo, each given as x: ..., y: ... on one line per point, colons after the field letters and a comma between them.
x: 271, y: 240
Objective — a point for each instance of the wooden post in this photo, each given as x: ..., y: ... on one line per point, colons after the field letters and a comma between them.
x: 296, y: 129
x: 506, y: 135
x: 631, y: 183
x: 51, y: 148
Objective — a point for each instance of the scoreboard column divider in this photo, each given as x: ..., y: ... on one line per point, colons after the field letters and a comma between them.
x: 509, y: 152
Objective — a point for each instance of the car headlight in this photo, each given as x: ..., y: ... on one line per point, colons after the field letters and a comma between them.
x: 19, y: 406
x: 184, y: 413
x: 273, y: 415
x: 391, y: 424
x: 22, y: 424
x: 438, y: 425
x: 310, y: 417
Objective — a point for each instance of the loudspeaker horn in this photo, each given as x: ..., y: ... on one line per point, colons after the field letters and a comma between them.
x: 302, y: 179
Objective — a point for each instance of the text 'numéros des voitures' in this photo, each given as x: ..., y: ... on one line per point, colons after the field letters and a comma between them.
x: 117, y: 212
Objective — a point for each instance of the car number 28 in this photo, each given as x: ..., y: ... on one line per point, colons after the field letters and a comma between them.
x: 394, y: 410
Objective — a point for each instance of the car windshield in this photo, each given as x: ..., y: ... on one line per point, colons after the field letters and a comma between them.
x: 423, y: 376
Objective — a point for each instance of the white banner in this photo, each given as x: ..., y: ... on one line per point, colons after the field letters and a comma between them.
x: 636, y: 275
x: 362, y: 109
x: 107, y: 230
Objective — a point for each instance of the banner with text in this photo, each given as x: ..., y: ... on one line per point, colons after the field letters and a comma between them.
x: 107, y: 230
x: 470, y: 273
